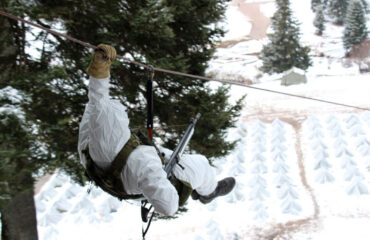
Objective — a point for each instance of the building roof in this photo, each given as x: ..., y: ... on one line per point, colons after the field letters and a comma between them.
x: 294, y: 70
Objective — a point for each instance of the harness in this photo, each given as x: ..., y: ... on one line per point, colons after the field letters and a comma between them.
x: 110, y: 179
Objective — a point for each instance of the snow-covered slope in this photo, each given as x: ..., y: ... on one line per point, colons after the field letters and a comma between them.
x: 285, y: 173
x: 302, y: 167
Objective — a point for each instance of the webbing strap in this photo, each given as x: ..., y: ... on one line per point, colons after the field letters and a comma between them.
x: 121, y: 159
x: 145, y: 140
x: 110, y: 180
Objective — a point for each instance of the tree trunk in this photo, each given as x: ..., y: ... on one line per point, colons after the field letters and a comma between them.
x: 19, y: 218
x: 18, y: 215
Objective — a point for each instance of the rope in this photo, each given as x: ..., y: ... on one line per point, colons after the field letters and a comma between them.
x: 145, y: 231
x: 179, y: 126
x: 66, y: 36
x: 224, y: 81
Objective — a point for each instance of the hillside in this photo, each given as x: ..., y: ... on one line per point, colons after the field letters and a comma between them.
x: 302, y: 167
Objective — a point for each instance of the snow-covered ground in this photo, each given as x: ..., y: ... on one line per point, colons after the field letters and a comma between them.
x: 302, y: 167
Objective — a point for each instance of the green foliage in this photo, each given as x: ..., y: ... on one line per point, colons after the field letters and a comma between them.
x: 365, y: 4
x: 177, y: 35
x: 319, y: 21
x: 16, y: 165
x: 284, y: 51
x: 355, y: 27
x: 338, y: 9
x: 325, y: 3
x: 314, y: 4
x: 22, y: 153
x: 211, y: 129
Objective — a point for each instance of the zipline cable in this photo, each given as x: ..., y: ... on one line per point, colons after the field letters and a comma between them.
x: 65, y: 36
x: 148, y: 67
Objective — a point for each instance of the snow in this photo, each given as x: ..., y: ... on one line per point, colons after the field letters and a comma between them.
x: 302, y: 167
x: 295, y: 70
x: 14, y: 97
x: 268, y: 9
x: 237, y: 25
x: 340, y: 228
x: 37, y: 44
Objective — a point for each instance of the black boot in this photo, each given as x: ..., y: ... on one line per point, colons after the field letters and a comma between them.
x: 223, y: 188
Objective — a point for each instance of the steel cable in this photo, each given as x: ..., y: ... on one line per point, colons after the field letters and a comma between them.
x: 149, y: 67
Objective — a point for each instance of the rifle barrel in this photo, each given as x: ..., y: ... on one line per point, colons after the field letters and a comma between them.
x: 175, y: 157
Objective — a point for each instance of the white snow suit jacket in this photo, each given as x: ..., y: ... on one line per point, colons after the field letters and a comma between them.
x: 104, y: 130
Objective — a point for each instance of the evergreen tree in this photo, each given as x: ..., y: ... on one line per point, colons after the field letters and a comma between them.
x: 319, y: 21
x: 355, y: 28
x: 167, y: 34
x: 21, y: 157
x: 366, y: 6
x: 314, y: 4
x: 284, y: 51
x: 338, y: 9
x: 16, y: 180
x: 170, y: 34
x: 325, y: 3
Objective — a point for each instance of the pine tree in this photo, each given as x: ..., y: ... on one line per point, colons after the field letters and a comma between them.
x: 355, y: 28
x: 366, y: 6
x: 314, y: 4
x: 338, y: 9
x: 176, y: 35
x: 16, y: 181
x: 325, y: 3
x: 319, y: 21
x: 284, y: 51
x: 21, y: 157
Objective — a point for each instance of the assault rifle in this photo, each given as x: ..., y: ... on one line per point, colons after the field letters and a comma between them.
x: 179, y: 150
x: 174, y: 159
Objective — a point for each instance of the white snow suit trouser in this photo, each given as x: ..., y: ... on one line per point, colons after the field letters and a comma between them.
x: 144, y: 174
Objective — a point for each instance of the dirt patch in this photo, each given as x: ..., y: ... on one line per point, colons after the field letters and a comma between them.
x: 361, y: 51
x: 268, y: 114
x: 282, y: 231
x: 259, y: 21
x: 230, y: 43
x: 40, y: 183
x: 297, y: 128
x: 285, y: 231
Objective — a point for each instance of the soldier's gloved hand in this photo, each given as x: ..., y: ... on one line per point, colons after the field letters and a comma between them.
x: 101, y: 61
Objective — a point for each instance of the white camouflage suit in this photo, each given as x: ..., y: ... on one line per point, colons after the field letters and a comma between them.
x: 104, y: 129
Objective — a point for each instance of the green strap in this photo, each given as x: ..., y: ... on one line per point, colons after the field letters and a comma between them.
x: 110, y: 180
x: 183, y: 189
x: 121, y: 159
x: 144, y: 140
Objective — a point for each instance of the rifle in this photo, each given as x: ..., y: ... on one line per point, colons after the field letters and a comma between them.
x: 174, y: 159
x: 177, y: 153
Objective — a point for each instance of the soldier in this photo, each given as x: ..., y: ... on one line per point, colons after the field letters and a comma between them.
x: 124, y: 166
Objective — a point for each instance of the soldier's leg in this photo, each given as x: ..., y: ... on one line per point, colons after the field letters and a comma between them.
x: 196, y: 170
x: 144, y: 174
